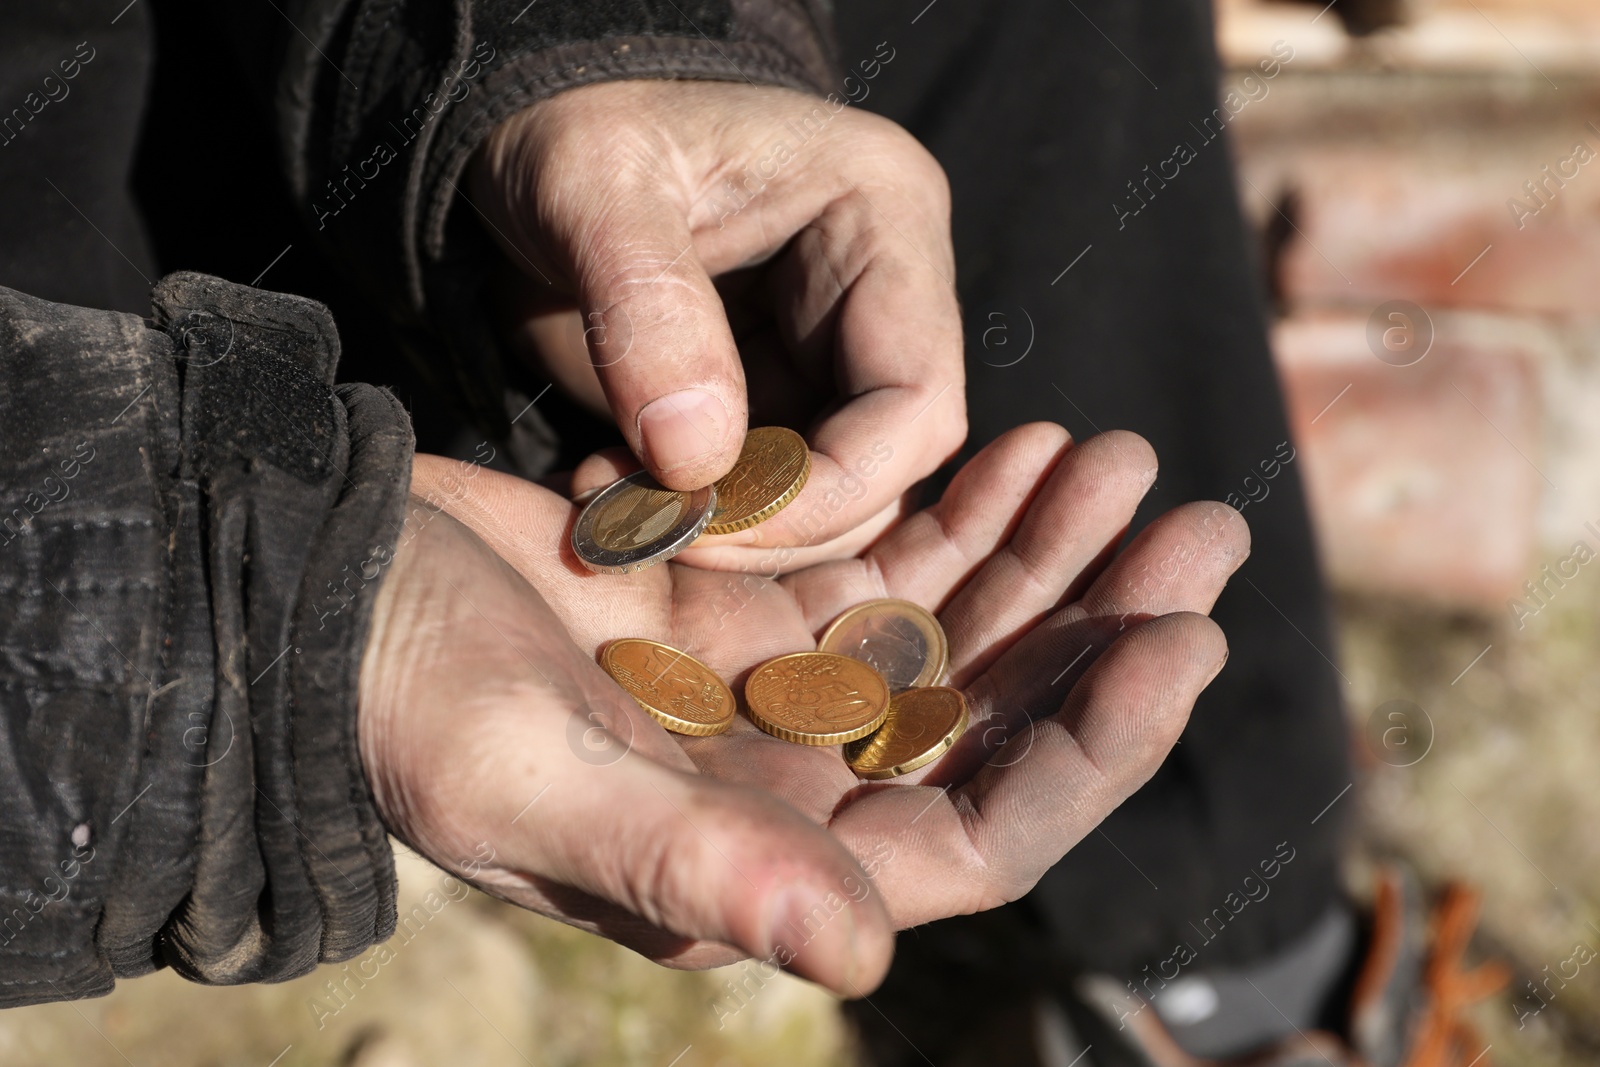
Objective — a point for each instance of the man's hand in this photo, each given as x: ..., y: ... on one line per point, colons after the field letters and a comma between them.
x: 663, y: 228
x: 478, y: 719
x: 1080, y: 669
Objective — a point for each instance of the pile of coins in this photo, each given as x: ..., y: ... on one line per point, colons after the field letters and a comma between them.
x: 872, y: 685
x: 906, y: 646
x: 636, y: 522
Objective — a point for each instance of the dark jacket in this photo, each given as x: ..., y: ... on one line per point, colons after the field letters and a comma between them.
x: 193, y: 517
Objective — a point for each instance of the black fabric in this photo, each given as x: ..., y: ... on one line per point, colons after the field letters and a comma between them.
x: 381, y: 103
x: 1041, y: 124
x: 352, y: 869
x: 71, y: 95
x: 181, y: 784
x: 83, y: 573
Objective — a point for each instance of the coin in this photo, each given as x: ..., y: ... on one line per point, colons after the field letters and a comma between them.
x: 773, y: 466
x: 816, y: 698
x: 635, y: 522
x: 900, y: 640
x: 921, y: 726
x: 678, y: 691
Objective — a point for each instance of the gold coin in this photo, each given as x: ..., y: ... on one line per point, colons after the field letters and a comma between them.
x: 773, y: 466
x: 678, y: 691
x: 816, y: 698
x: 921, y: 726
x: 900, y: 640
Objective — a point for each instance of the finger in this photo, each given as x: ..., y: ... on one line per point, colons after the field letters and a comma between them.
x: 1006, y: 699
x: 704, y: 861
x: 1180, y: 562
x: 929, y: 555
x: 1115, y: 729
x: 709, y: 553
x: 1030, y: 682
x: 986, y: 843
x: 664, y: 353
x: 654, y: 325
x: 876, y: 260
x: 1022, y: 529
x: 1063, y: 541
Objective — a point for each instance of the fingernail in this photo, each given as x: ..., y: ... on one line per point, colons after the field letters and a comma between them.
x: 1218, y: 669
x: 817, y: 925
x: 682, y: 427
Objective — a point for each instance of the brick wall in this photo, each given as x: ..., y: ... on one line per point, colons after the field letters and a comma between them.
x: 1429, y: 195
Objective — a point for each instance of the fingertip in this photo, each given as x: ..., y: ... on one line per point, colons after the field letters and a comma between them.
x: 1205, y: 639
x: 1189, y: 643
x: 875, y: 952
x: 1231, y: 525
x: 660, y: 341
x: 841, y: 938
x: 1211, y: 534
x: 1242, y: 532
x: 1133, y: 449
x: 1042, y: 439
x: 689, y: 438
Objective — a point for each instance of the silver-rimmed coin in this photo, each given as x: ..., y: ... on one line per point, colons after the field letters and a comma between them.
x: 900, y: 640
x: 636, y: 522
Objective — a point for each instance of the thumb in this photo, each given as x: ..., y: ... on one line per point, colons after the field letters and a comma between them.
x: 658, y: 336
x: 714, y: 862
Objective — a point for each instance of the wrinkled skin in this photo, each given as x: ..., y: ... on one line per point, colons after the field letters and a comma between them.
x: 481, y: 709
x: 819, y: 285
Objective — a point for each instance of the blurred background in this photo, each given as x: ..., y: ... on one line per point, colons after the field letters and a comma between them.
x: 1424, y: 180
x: 1415, y: 177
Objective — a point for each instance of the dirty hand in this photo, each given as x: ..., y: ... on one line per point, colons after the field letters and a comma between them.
x: 675, y: 247
x: 1080, y: 666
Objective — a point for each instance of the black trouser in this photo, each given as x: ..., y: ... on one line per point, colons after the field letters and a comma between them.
x: 1042, y: 113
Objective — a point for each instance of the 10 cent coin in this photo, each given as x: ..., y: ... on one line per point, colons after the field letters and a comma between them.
x: 678, y: 691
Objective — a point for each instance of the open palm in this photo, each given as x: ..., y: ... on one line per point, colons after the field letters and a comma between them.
x: 1080, y: 664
